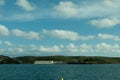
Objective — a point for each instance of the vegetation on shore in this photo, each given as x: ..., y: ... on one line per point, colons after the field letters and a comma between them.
x: 64, y: 59
x: 8, y: 60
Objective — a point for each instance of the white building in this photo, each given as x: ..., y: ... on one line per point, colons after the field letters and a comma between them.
x: 44, y: 62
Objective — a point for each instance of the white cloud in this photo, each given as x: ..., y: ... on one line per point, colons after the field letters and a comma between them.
x: 2, y: 2
x: 71, y: 45
x: 107, y: 48
x: 32, y: 46
x: 82, y: 49
x: 22, y: 17
x: 109, y: 37
x: 100, y: 49
x: 70, y: 9
x: 107, y: 12
x: 86, y: 9
x: 71, y: 48
x: 88, y: 37
x: 8, y: 43
x: 1, y: 50
x: 4, y: 31
x: 25, y: 4
x: 67, y: 9
x: 111, y: 3
x: 1, y: 42
x: 64, y: 34
x: 26, y: 35
x: 49, y: 49
x: 15, y: 50
x: 85, y: 48
x: 105, y: 23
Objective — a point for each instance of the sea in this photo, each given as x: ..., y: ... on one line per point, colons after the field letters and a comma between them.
x: 60, y: 72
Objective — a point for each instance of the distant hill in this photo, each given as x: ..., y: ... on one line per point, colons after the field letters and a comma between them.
x: 32, y: 59
x: 64, y: 59
x: 8, y: 60
x: 71, y: 59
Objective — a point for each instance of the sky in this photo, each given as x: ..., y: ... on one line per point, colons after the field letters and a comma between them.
x: 60, y: 27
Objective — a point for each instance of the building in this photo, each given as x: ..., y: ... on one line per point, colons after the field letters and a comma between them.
x: 48, y: 62
x: 44, y: 62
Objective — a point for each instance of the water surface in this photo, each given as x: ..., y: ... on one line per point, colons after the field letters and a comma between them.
x: 55, y: 72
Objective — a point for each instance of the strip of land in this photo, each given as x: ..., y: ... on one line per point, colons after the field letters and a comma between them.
x: 63, y: 59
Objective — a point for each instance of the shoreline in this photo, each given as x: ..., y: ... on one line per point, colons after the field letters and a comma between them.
x: 60, y: 60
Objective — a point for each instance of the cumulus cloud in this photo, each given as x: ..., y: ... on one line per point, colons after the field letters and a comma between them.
x: 15, y: 50
x: 107, y: 48
x: 62, y: 34
x: 100, y: 49
x: 88, y: 37
x: 4, y: 31
x: 70, y: 9
x: 67, y: 9
x: 82, y: 48
x: 25, y: 4
x: 0, y: 42
x: 105, y: 23
x: 8, y: 43
x: 71, y: 48
x: 106, y: 10
x: 22, y: 17
x: 26, y: 35
x: 2, y: 2
x: 49, y: 49
x: 86, y: 48
x: 65, y: 34
x: 109, y: 37
x: 1, y: 50
x: 101, y: 8
x: 111, y: 3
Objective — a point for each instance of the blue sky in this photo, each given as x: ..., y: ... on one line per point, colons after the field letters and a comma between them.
x: 60, y: 27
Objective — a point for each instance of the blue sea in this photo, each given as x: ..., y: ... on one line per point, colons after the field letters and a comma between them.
x: 56, y: 72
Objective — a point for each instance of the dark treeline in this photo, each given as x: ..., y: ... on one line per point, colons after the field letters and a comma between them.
x: 8, y: 60
x: 64, y: 59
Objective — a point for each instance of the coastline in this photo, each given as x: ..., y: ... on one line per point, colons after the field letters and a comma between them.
x: 60, y: 59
